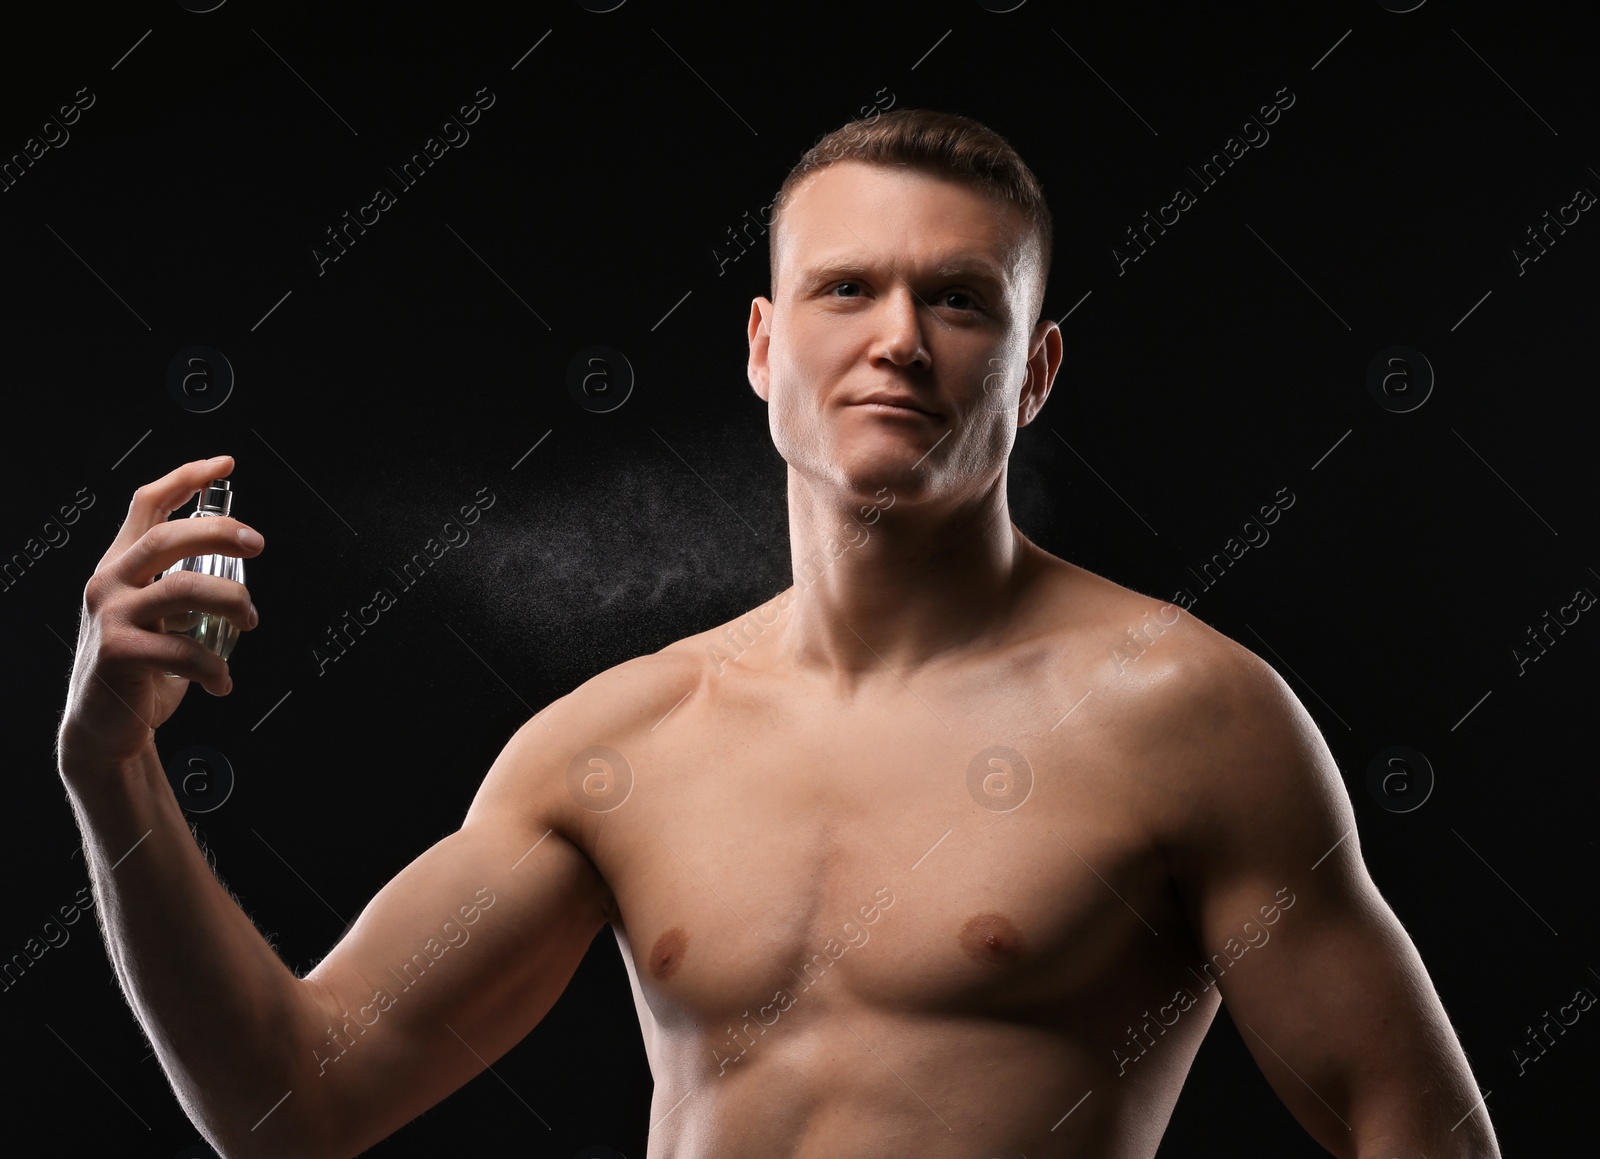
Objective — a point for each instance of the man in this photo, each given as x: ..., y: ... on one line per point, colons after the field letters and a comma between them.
x: 951, y: 849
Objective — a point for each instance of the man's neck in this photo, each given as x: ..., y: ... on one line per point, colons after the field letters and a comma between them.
x: 886, y: 591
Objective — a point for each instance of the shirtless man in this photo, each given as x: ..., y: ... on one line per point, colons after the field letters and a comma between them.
x: 950, y: 851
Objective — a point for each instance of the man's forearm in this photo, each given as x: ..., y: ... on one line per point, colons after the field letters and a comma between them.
x: 229, y: 1021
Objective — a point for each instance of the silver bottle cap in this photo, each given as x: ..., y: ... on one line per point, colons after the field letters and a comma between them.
x: 216, y: 498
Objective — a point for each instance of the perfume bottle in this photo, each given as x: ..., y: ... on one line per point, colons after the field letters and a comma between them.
x: 210, y: 629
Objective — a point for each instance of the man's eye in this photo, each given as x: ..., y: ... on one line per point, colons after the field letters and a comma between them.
x: 968, y: 303
x: 960, y: 300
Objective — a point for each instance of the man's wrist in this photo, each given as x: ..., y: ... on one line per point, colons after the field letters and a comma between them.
x: 92, y: 776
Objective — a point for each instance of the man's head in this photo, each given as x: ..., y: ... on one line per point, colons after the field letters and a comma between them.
x: 909, y: 255
x: 946, y: 145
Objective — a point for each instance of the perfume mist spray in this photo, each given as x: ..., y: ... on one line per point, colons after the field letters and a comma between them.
x: 209, y: 628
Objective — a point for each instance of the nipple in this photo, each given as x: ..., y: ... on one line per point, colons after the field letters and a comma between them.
x: 667, y: 954
x: 992, y: 938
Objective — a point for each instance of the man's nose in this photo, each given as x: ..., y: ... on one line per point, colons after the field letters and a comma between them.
x: 901, y: 321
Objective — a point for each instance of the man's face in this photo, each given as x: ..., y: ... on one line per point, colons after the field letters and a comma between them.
x: 899, y: 281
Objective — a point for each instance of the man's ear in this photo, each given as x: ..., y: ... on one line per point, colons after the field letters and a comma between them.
x: 1043, y: 363
x: 760, y: 337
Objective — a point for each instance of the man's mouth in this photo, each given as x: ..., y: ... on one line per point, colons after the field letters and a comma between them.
x: 886, y: 402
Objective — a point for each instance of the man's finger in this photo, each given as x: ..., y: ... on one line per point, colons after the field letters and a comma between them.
x: 152, y: 503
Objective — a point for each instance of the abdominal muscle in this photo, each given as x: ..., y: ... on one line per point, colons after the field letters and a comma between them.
x: 851, y: 1081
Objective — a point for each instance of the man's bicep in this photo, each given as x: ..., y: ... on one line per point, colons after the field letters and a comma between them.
x: 458, y: 957
x: 1343, y: 1020
x: 1320, y: 977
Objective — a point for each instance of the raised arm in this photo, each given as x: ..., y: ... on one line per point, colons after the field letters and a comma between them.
x: 450, y: 964
x: 1322, y: 980
x: 458, y: 957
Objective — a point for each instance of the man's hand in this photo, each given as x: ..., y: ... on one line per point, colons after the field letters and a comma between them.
x: 120, y: 691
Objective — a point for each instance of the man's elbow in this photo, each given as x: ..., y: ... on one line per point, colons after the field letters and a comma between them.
x: 276, y: 1135
x: 288, y: 1113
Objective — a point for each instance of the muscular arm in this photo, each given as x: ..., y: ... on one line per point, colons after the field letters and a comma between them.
x: 453, y: 961
x: 1326, y: 987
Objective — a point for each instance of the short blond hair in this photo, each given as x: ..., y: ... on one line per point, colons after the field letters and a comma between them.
x: 943, y: 144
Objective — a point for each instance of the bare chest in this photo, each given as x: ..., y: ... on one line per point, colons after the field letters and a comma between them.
x: 966, y: 849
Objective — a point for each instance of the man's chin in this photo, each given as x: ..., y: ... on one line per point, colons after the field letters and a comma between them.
x: 880, y: 478
x: 882, y: 488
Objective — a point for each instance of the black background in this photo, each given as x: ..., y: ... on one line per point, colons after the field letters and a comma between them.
x: 591, y: 206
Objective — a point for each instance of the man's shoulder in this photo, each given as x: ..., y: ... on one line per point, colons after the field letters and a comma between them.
x: 636, y: 693
x: 1148, y: 645
x: 1212, y: 726
x: 578, y: 749
x: 1178, y: 679
x: 641, y: 691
